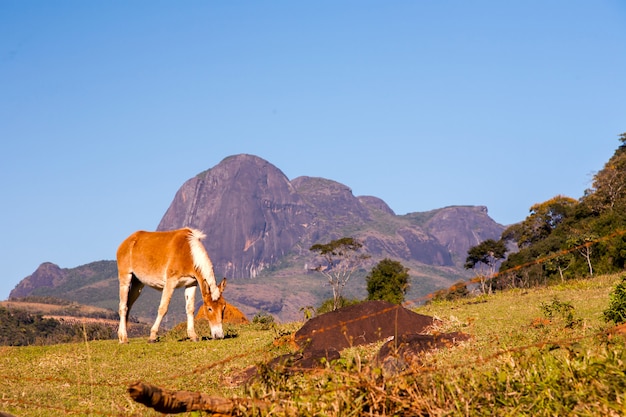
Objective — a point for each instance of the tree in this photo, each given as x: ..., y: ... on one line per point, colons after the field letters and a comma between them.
x: 541, y: 222
x: 337, y: 261
x: 563, y: 237
x: 388, y: 281
x: 559, y: 262
x: 486, y: 254
x: 583, y: 243
x: 608, y: 192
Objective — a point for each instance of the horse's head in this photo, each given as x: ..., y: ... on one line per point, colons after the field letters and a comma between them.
x: 214, y: 311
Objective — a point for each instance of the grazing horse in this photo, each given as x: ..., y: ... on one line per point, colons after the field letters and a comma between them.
x: 165, y: 261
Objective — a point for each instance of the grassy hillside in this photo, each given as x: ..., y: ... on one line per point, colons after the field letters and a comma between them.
x: 49, y: 306
x: 533, y: 352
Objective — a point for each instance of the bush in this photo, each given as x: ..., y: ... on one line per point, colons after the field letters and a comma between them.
x: 388, y: 281
x: 560, y: 310
x: 456, y: 291
x: 264, y: 320
x: 328, y: 305
x: 616, y: 312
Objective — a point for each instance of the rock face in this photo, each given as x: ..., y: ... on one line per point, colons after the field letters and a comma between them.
x: 460, y: 228
x: 260, y: 226
x: 248, y: 209
x: 48, y: 275
x: 254, y: 216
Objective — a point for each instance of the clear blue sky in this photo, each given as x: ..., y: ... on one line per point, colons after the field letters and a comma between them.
x: 108, y: 107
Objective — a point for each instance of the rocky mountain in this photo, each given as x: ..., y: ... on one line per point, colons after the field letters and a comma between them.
x: 254, y: 215
x: 259, y: 226
x: 250, y: 212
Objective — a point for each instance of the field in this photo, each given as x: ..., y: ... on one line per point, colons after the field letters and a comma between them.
x: 534, y: 352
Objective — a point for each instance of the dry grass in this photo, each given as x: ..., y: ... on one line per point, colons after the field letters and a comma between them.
x: 519, y: 362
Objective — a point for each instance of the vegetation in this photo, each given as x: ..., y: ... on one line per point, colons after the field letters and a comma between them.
x: 616, y: 312
x: 541, y: 352
x: 388, y: 281
x: 45, y: 300
x: 546, y: 346
x: 564, y: 238
x: 20, y: 328
x: 337, y: 261
x: 329, y: 304
x: 265, y: 320
x: 456, y: 291
x: 53, y: 306
x: 487, y: 254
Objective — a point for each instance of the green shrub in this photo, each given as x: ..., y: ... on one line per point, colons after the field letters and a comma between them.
x: 560, y: 310
x: 388, y: 281
x: 264, y: 320
x: 327, y: 305
x: 456, y: 291
x: 616, y: 312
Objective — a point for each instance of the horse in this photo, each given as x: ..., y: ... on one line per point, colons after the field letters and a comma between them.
x: 166, y: 261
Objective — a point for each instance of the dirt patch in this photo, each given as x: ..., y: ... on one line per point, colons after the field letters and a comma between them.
x: 406, y: 350
x: 360, y: 324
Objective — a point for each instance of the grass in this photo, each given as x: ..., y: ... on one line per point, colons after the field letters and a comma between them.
x: 521, y: 361
x: 91, y: 378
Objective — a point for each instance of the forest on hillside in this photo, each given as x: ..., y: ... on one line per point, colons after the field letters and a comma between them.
x: 27, y: 321
x: 564, y: 237
x: 21, y: 328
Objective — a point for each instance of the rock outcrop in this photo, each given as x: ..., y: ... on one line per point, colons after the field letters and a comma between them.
x: 260, y: 226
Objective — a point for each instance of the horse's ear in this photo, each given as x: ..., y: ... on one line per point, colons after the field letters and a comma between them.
x: 207, y: 288
x: 222, y: 285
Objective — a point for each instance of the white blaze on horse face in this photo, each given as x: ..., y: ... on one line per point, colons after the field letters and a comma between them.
x: 214, y: 313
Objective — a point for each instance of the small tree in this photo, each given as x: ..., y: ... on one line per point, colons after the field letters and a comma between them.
x: 337, y: 261
x: 583, y: 243
x: 559, y: 263
x: 486, y: 254
x: 388, y: 281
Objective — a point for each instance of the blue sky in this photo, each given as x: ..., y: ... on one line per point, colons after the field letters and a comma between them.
x: 107, y: 108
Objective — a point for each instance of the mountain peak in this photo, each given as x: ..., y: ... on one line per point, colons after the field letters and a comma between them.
x: 259, y: 225
x: 254, y: 216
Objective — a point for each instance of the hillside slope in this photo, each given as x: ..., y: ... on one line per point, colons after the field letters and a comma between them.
x: 518, y: 362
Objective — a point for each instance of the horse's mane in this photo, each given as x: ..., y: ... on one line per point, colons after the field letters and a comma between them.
x: 202, y: 262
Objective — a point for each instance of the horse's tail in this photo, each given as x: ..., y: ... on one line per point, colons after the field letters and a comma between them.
x: 203, y: 264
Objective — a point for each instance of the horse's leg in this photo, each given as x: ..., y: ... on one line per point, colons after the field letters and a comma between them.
x: 166, y: 296
x: 125, y: 279
x: 190, y: 300
x: 135, y: 290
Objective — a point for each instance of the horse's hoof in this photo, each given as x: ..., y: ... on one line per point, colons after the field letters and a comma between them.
x: 152, y: 340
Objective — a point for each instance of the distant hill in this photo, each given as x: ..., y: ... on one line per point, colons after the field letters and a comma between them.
x: 259, y: 226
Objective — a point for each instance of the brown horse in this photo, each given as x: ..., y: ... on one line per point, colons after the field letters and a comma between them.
x: 165, y: 261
